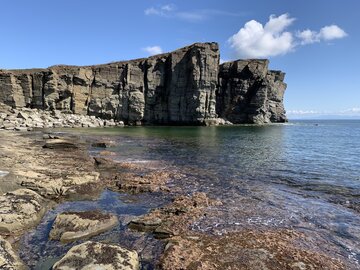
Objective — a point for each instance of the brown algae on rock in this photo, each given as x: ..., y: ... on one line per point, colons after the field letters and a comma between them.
x: 93, y: 255
x: 19, y: 210
x: 71, y: 226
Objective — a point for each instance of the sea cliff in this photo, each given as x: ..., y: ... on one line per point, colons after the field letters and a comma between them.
x: 186, y: 86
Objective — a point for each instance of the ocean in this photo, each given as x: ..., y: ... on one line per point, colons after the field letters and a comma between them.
x: 302, y: 175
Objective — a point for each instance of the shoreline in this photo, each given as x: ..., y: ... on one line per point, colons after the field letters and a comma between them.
x: 170, y: 223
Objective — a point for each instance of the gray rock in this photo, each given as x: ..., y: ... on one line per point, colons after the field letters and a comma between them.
x: 23, y: 115
x: 250, y: 93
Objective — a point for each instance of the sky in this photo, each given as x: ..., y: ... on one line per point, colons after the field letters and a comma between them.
x: 315, y: 42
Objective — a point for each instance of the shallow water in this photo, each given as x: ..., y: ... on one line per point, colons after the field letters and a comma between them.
x: 303, y: 175
x: 39, y: 252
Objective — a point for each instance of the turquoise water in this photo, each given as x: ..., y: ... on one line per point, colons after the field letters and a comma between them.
x: 303, y: 175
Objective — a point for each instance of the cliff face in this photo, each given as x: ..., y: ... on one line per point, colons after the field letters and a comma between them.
x: 249, y: 93
x: 187, y: 86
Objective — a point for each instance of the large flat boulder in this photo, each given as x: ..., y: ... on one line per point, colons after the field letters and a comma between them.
x: 51, y: 187
x: 71, y: 226
x: 20, y: 209
x: 98, y: 256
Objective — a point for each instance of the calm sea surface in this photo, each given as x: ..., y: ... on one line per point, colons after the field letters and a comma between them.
x: 303, y: 175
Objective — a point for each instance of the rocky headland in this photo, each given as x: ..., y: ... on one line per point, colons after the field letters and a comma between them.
x: 187, y: 86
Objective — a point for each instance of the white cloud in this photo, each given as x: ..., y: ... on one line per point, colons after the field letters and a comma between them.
x: 169, y: 7
x: 255, y: 40
x: 326, y: 33
x: 152, y: 50
x: 352, y: 112
x: 308, y: 36
x: 170, y: 11
x: 332, y: 32
x: 164, y: 10
x: 304, y: 112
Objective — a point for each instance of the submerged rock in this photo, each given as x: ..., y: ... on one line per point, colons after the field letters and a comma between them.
x: 249, y: 249
x: 92, y: 256
x: 71, y: 226
x: 132, y: 178
x: 174, y: 219
x: 20, y: 209
x: 8, y: 258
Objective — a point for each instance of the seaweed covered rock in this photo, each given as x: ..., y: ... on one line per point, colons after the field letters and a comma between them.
x: 92, y: 255
x: 71, y: 226
x: 174, y: 218
x: 19, y: 210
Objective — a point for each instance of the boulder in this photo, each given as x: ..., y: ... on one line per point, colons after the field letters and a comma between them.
x: 23, y: 115
x: 20, y: 209
x: 59, y: 144
x: 50, y: 187
x: 71, y: 226
x: 97, y: 256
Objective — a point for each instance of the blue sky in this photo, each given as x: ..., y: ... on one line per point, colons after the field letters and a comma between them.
x: 315, y: 42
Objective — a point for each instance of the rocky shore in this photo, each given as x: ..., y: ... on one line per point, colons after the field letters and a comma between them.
x: 41, y: 177
x: 26, y: 119
x: 44, y: 170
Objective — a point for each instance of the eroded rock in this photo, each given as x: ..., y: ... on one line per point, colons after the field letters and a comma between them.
x: 19, y: 210
x: 71, y: 226
x: 92, y: 256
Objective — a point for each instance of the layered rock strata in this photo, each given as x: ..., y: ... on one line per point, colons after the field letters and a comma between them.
x: 187, y: 86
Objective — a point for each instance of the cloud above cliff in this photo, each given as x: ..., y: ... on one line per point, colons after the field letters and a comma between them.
x: 152, y: 50
x: 171, y: 11
x: 255, y: 40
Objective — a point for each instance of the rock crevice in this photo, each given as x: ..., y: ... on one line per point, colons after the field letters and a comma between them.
x: 186, y: 86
